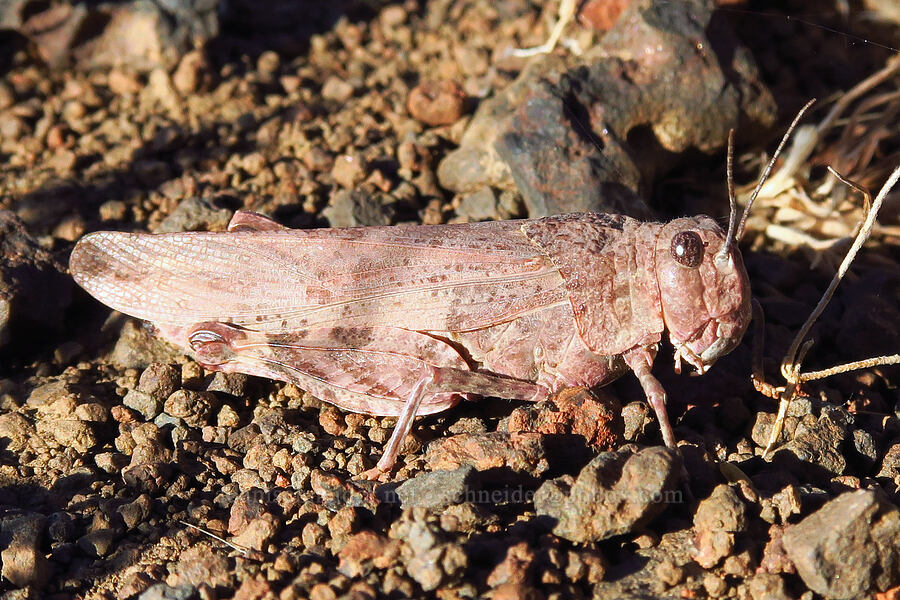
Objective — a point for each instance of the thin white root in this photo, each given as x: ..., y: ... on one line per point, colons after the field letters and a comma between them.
x: 235, y: 547
x: 566, y: 13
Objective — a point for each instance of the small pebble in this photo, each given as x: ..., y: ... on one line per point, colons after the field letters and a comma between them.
x: 436, y: 103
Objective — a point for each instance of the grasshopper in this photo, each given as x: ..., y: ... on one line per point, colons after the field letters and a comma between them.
x: 408, y: 320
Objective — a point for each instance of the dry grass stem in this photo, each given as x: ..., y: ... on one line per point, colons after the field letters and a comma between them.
x: 798, y: 208
x: 235, y: 547
x: 790, y: 366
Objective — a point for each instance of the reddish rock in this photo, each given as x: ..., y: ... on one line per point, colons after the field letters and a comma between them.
x: 122, y: 83
x: 244, y: 509
x: 601, y: 14
x: 515, y: 567
x: 331, y: 421
x: 687, y: 92
x: 192, y: 72
x: 15, y: 431
x: 774, y: 558
x: 436, y: 103
x: 313, y: 535
x: 766, y: 586
x: 259, y: 532
x: 348, y: 171
x: 517, y: 451
x: 586, y: 565
x: 336, y: 492
x: 716, y: 521
x: 201, y: 564
x: 891, y: 594
x: 515, y: 591
x: 122, y: 414
x: 597, y: 417
x: 342, y: 524
x: 255, y: 588
x: 366, y: 550
x: 23, y: 562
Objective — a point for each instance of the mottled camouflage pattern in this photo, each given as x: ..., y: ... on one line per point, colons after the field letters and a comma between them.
x: 370, y: 318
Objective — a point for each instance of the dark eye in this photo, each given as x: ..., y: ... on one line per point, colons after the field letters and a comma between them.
x: 687, y: 248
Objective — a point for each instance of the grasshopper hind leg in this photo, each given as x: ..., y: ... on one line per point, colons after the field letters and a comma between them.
x: 449, y: 380
x: 401, y: 429
x: 374, y: 370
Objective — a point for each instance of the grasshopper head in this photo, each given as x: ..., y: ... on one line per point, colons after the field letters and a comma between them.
x: 704, y: 290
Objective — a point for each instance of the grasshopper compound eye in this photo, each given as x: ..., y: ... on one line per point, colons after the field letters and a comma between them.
x: 687, y: 248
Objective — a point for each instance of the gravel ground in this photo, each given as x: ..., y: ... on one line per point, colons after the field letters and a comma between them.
x: 127, y: 471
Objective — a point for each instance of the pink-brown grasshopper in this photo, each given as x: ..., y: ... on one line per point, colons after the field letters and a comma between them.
x: 407, y: 320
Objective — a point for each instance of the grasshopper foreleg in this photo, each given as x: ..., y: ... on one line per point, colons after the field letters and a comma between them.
x: 640, y: 360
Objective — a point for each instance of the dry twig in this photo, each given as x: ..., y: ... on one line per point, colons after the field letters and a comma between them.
x: 790, y: 366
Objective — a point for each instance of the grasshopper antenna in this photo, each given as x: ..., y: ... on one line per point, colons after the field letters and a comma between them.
x: 740, y: 229
x: 732, y: 202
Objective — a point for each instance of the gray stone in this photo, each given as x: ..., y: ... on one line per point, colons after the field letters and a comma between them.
x: 135, y: 512
x: 159, y: 380
x: 24, y: 564
x: 161, y: 591
x: 617, y: 492
x: 479, y: 206
x: 591, y: 133
x: 233, y: 384
x: 195, y: 214
x: 137, y: 347
x: 849, y: 546
x: 890, y: 466
x: 817, y: 444
x: 98, y: 543
x: 437, y: 489
x: 138, y: 33
x: 195, y: 408
x: 60, y: 527
x: 163, y: 420
x: 145, y: 404
x: 358, y: 208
